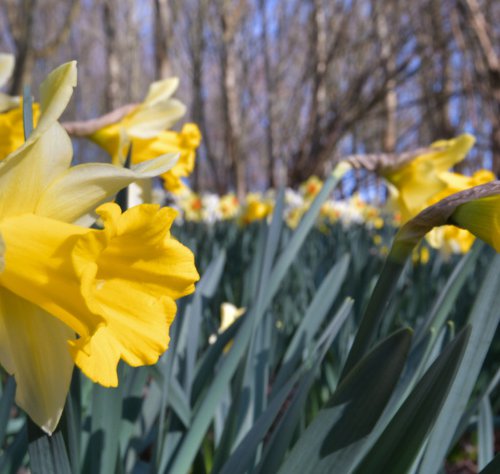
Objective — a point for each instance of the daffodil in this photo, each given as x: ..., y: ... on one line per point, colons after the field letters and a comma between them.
x: 11, y: 112
x: 146, y: 128
x: 255, y: 208
x: 310, y: 188
x: 229, y: 206
x: 73, y: 295
x: 418, y: 181
x: 229, y: 313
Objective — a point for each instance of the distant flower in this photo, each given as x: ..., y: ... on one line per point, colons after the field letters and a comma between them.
x: 146, y: 128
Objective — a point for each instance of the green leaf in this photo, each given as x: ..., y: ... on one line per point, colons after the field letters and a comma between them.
x: 484, y: 319
x: 6, y: 402
x: 47, y: 453
x: 106, y: 419
x: 331, y: 442
x: 486, y: 434
x: 205, y: 411
x: 493, y: 467
x: 313, y: 319
x: 448, y: 295
x: 242, y: 456
x: 282, y: 435
x: 374, y: 313
x: 399, y: 444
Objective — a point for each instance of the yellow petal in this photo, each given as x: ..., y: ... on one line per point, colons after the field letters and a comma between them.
x: 55, y: 93
x: 450, y: 152
x: 40, y: 269
x: 33, y: 348
x: 161, y: 90
x: 7, y: 62
x: 78, y: 190
x: 147, y: 122
x: 481, y: 217
x: 28, y: 171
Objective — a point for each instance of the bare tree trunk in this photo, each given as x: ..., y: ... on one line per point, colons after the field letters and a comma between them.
x: 114, y: 69
x: 390, y: 131
x: 269, y: 94
x: 230, y: 102
x: 164, y: 15
x: 22, y: 32
x: 198, y: 104
x: 478, y: 25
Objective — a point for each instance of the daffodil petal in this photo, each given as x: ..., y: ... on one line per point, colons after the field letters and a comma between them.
x: 161, y: 90
x: 81, y: 188
x: 147, y: 122
x: 7, y: 62
x: 33, y: 348
x: 481, y: 217
x: 38, y: 268
x: 55, y: 93
x: 28, y: 171
x: 450, y: 152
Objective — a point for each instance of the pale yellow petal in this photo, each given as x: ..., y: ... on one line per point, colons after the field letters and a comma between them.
x: 147, y: 122
x: 55, y: 93
x: 34, y: 348
x: 28, y: 171
x: 481, y: 217
x: 81, y: 188
x: 7, y: 62
x: 161, y: 90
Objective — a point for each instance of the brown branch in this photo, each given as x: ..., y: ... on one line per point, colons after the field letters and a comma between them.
x: 88, y: 127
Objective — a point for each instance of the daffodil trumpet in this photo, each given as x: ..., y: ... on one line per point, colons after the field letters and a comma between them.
x: 73, y: 295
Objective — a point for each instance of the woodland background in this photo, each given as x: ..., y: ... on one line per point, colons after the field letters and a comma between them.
x: 279, y: 88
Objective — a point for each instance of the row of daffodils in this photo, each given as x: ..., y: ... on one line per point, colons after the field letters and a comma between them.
x: 71, y: 294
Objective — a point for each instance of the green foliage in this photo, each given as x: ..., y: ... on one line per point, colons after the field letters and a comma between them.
x: 289, y: 394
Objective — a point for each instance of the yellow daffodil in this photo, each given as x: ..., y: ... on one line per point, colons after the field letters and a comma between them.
x: 255, y: 208
x: 145, y: 127
x: 72, y: 295
x: 418, y: 181
x: 11, y: 112
x: 229, y: 206
x: 310, y: 188
x: 229, y: 313
x: 11, y: 129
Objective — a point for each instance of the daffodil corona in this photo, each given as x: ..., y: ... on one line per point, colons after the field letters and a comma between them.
x: 73, y: 295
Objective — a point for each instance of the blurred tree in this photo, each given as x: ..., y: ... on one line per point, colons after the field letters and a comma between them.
x: 279, y: 88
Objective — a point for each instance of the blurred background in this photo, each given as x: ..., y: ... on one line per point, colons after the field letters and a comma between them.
x: 279, y: 88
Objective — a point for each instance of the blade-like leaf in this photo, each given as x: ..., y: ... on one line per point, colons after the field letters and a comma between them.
x: 397, y: 447
x: 330, y: 443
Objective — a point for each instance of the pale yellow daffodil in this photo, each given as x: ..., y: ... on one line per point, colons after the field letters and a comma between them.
x: 69, y: 294
x: 145, y: 127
